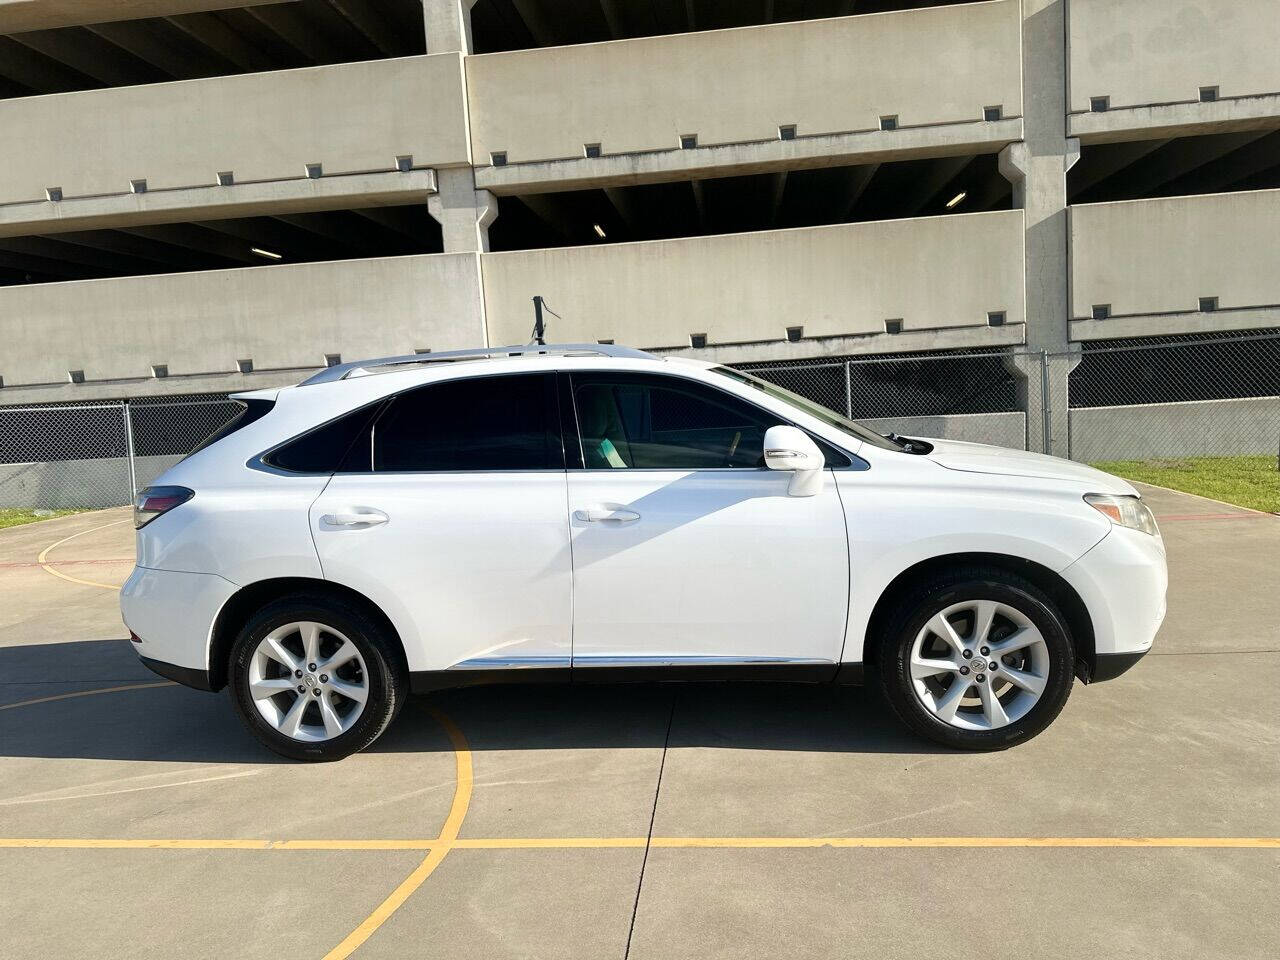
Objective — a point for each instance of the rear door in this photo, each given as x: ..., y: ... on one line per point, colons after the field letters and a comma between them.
x: 450, y: 515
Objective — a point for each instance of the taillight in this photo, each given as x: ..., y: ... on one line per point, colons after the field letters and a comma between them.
x: 154, y: 501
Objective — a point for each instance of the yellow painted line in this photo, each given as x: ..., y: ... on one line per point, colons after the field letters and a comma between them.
x: 448, y: 834
x: 442, y: 846
x: 795, y: 842
x: 88, y: 693
x: 48, y: 568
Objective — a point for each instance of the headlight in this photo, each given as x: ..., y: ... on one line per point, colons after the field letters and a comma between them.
x: 1126, y: 511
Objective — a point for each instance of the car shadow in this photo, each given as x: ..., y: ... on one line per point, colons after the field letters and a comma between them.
x: 174, y: 723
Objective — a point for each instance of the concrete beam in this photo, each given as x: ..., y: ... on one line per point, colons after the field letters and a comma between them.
x: 91, y: 55
x: 955, y: 338
x: 210, y: 203
x: 802, y: 153
x: 19, y: 15
x: 1165, y: 120
x: 1161, y: 324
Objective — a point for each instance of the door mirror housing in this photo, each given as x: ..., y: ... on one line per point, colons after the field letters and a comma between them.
x: 791, y: 449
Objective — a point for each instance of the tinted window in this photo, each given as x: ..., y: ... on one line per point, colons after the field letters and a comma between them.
x: 666, y: 423
x: 482, y: 423
x: 339, y: 445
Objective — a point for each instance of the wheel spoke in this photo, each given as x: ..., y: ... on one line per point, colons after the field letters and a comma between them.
x: 984, y: 612
x: 941, y: 626
x: 344, y: 653
x: 291, y: 723
x: 949, y: 702
x: 923, y: 667
x: 351, y: 691
x: 280, y: 653
x: 992, y: 708
x: 1027, y: 681
x: 310, y: 640
x: 332, y: 722
x: 1018, y: 640
x: 261, y: 689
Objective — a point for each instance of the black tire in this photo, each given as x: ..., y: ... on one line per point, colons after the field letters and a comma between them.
x: 387, y: 678
x: 893, y: 652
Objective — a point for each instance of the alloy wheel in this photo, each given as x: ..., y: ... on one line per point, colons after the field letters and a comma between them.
x: 308, y: 681
x: 979, y: 665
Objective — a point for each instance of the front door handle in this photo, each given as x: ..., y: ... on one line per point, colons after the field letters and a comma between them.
x: 606, y: 515
x: 355, y: 517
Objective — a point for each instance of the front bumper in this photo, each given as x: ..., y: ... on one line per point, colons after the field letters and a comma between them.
x: 1122, y: 581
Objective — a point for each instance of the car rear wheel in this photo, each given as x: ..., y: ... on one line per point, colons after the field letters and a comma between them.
x: 979, y: 659
x: 314, y: 678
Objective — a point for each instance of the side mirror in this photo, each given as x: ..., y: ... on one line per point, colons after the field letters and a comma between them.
x: 791, y: 449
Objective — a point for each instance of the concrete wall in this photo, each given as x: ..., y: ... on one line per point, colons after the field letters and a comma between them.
x: 1000, y: 429
x: 280, y: 316
x: 1161, y: 256
x: 70, y: 484
x: 1206, y: 428
x: 350, y: 117
x: 930, y: 66
x: 1141, y: 52
x: 939, y: 272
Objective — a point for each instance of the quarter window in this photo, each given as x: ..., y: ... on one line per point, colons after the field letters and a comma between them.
x: 476, y: 424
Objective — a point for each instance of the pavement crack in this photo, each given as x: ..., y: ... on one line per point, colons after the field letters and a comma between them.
x: 653, y: 814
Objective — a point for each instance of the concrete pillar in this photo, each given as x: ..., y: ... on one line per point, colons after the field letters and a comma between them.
x: 448, y: 25
x: 1038, y: 167
x: 463, y: 212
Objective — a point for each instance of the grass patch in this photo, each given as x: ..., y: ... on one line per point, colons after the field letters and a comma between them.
x: 1247, y: 481
x: 12, y: 517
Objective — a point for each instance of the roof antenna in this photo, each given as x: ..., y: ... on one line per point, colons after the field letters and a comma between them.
x: 539, y: 327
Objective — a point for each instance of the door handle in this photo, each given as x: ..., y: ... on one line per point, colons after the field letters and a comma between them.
x: 606, y: 515
x: 355, y: 518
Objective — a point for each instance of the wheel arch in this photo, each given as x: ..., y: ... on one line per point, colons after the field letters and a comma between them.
x: 1068, y: 601
x: 242, y: 604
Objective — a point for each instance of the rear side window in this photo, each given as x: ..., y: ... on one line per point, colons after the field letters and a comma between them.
x: 476, y: 424
x: 341, y: 445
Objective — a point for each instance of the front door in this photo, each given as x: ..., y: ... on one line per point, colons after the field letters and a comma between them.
x: 686, y: 550
x: 453, y: 523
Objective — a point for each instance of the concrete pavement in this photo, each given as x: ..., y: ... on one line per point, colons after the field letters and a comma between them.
x: 561, y: 790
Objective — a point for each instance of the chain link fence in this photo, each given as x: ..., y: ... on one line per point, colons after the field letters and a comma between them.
x: 1159, y: 398
x: 87, y: 455
x: 1176, y: 397
x: 974, y: 396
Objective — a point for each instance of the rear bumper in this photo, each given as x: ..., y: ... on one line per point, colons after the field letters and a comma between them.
x: 187, y: 676
x: 172, y: 614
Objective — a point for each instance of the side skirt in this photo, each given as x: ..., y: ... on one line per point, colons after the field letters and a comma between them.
x: 426, y: 681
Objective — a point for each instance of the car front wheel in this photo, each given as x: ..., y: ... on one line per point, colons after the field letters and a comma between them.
x: 315, y: 679
x: 979, y: 659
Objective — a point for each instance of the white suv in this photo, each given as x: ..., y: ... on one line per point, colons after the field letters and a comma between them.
x: 593, y: 512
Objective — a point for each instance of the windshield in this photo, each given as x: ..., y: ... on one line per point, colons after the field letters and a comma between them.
x: 825, y: 414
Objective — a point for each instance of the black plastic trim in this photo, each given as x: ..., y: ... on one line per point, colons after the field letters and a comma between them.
x: 1108, y: 666
x: 187, y: 676
x: 427, y: 681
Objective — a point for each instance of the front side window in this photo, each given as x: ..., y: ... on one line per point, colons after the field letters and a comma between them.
x: 477, y: 424
x: 665, y: 423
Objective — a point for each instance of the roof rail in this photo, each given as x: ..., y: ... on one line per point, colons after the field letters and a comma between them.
x: 342, y: 371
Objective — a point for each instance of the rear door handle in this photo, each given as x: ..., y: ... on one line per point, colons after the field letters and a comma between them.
x: 355, y: 517
x: 606, y: 515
